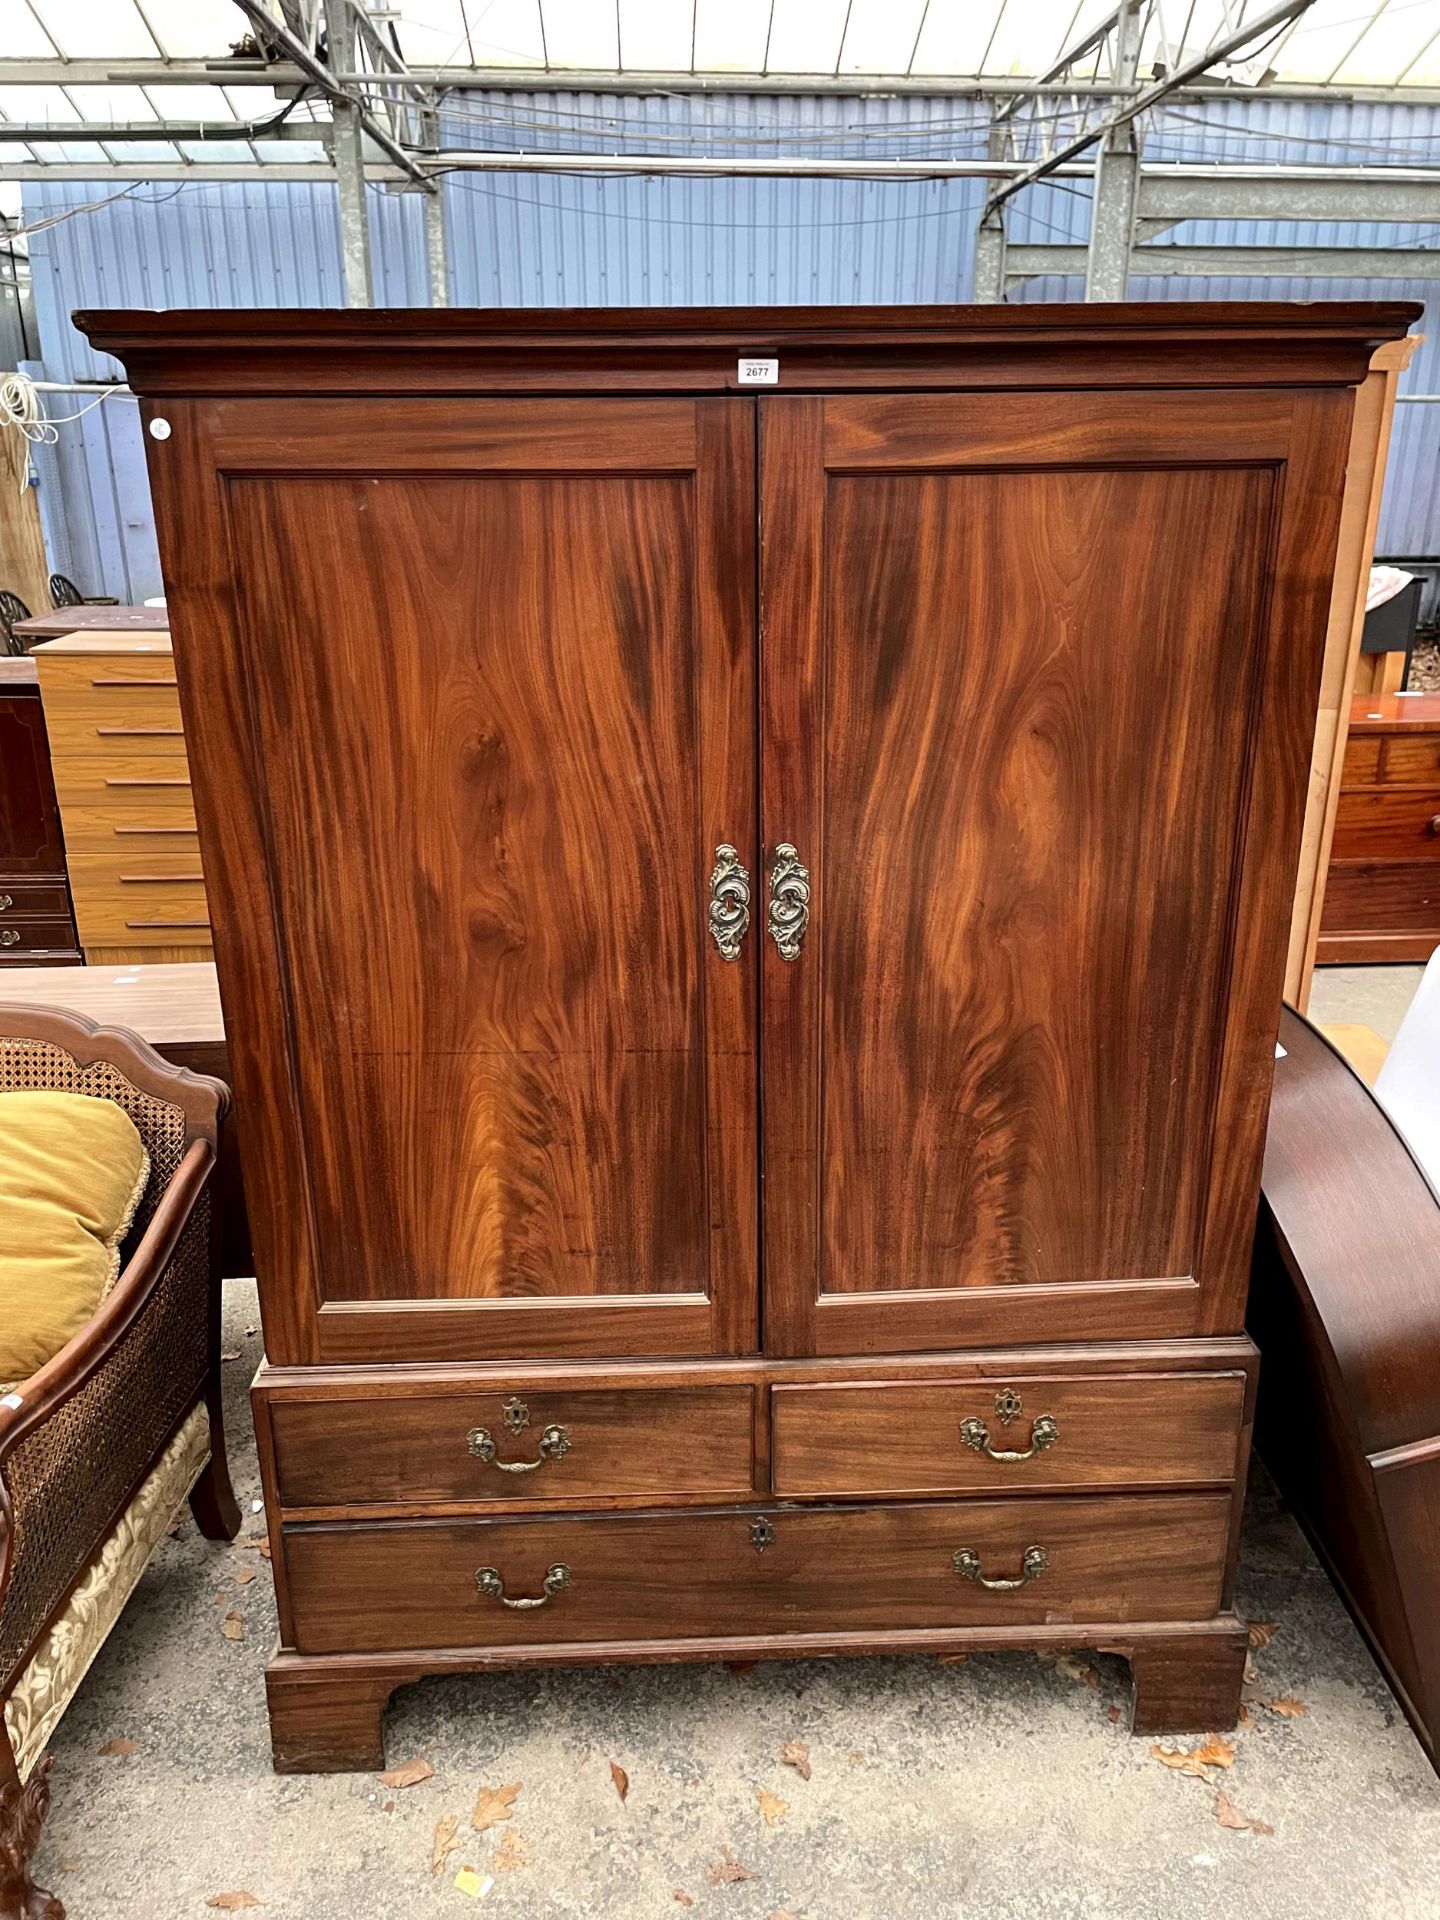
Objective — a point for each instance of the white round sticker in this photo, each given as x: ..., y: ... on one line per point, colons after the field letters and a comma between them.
x: 159, y: 429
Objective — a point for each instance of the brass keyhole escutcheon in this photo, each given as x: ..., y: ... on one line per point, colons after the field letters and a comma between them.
x: 516, y: 1416
x: 762, y: 1534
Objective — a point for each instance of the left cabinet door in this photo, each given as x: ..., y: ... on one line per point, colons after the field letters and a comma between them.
x: 469, y: 690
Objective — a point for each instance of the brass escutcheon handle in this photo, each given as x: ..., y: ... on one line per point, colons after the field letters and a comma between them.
x: 554, y: 1442
x: 1043, y: 1433
x: 488, y: 1581
x: 789, y: 913
x: 967, y: 1564
x: 729, y: 902
x: 9, y: 937
x: 6, y: 900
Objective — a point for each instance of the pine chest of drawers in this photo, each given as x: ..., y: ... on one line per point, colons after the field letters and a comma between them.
x: 123, y: 779
x: 752, y: 989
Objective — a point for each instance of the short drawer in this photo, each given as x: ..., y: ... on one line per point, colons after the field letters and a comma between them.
x: 29, y: 899
x: 379, y: 1587
x: 19, y: 937
x: 1412, y: 759
x: 1388, y: 824
x: 993, y: 1436
x: 126, y: 789
x: 136, y: 718
x: 564, y: 1444
x: 131, y: 908
x: 1400, y: 896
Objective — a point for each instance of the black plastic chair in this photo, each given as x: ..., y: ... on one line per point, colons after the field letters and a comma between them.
x: 12, y: 608
x: 65, y: 593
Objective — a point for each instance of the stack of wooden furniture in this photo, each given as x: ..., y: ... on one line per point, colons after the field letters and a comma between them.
x: 37, y: 924
x: 118, y: 750
x: 1382, y: 894
x: 595, y: 741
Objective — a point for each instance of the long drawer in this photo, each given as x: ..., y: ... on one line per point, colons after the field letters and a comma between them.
x: 1399, y: 895
x: 127, y: 909
x: 570, y: 1445
x: 385, y: 1586
x: 943, y: 1437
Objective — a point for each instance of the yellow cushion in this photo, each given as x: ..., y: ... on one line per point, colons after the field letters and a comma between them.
x: 72, y: 1170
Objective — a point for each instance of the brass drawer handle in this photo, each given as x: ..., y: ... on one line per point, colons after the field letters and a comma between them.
x: 967, y: 1564
x: 1043, y: 1433
x: 9, y: 937
x: 1433, y: 825
x: 556, y: 1580
x: 554, y: 1442
x: 6, y: 900
x: 789, y: 914
x: 729, y: 902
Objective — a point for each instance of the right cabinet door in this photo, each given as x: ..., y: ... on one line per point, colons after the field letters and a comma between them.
x: 1038, y: 675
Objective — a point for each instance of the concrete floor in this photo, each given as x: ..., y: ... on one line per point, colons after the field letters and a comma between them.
x: 998, y: 1788
x: 1374, y: 997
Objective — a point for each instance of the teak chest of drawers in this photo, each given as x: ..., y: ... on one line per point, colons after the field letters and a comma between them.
x: 582, y: 744
x: 118, y: 749
x: 1382, y: 891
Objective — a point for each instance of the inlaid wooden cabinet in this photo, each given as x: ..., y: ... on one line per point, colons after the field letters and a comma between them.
x: 751, y: 930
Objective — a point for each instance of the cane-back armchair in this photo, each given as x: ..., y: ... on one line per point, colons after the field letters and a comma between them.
x: 101, y: 1447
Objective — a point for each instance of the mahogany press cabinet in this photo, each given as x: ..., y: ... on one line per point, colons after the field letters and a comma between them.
x: 750, y: 857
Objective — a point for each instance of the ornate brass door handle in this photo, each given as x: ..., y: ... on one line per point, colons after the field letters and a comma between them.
x: 729, y: 902
x: 554, y: 1442
x: 488, y: 1581
x: 1043, y: 1433
x: 789, y: 913
x: 967, y: 1564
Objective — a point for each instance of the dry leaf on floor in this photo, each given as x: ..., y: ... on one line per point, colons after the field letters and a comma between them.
x: 741, y: 1669
x: 782, y: 1913
x: 952, y: 1659
x: 232, y: 1626
x: 235, y: 1355
x: 512, y: 1853
x: 1077, y: 1669
x: 796, y: 1754
x: 244, y: 1576
x: 772, y: 1807
x: 726, y: 1872
x: 1229, y: 1815
x: 1244, y: 1718
x: 1262, y: 1632
x: 263, y: 1549
x: 683, y: 1899
x: 387, y: 1806
x: 494, y: 1805
x: 1287, y: 1706
x: 233, y: 1902
x: 1211, y: 1752
x: 621, y: 1779
x: 409, y: 1774
x: 119, y: 1747
x: 856, y: 1757
x: 1112, y: 1714
x: 444, y: 1843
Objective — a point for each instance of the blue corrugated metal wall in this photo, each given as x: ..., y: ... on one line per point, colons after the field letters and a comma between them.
x: 532, y: 240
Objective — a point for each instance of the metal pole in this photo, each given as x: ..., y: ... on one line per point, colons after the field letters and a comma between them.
x: 347, y: 151
x: 989, y: 287
x: 437, y: 251
x: 1117, y: 171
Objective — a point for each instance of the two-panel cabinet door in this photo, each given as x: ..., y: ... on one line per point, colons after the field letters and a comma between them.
x: 469, y: 691
x: 1037, y: 676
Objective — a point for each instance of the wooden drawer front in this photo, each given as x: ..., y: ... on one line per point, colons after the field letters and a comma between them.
x: 1413, y: 761
x: 1398, y: 896
x: 1398, y: 825
x: 27, y: 899
x: 132, y: 910
x: 396, y: 1451
x: 100, y: 721
x: 1362, y: 760
x: 128, y: 789
x: 20, y: 938
x: 379, y: 1586
x: 935, y: 1437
